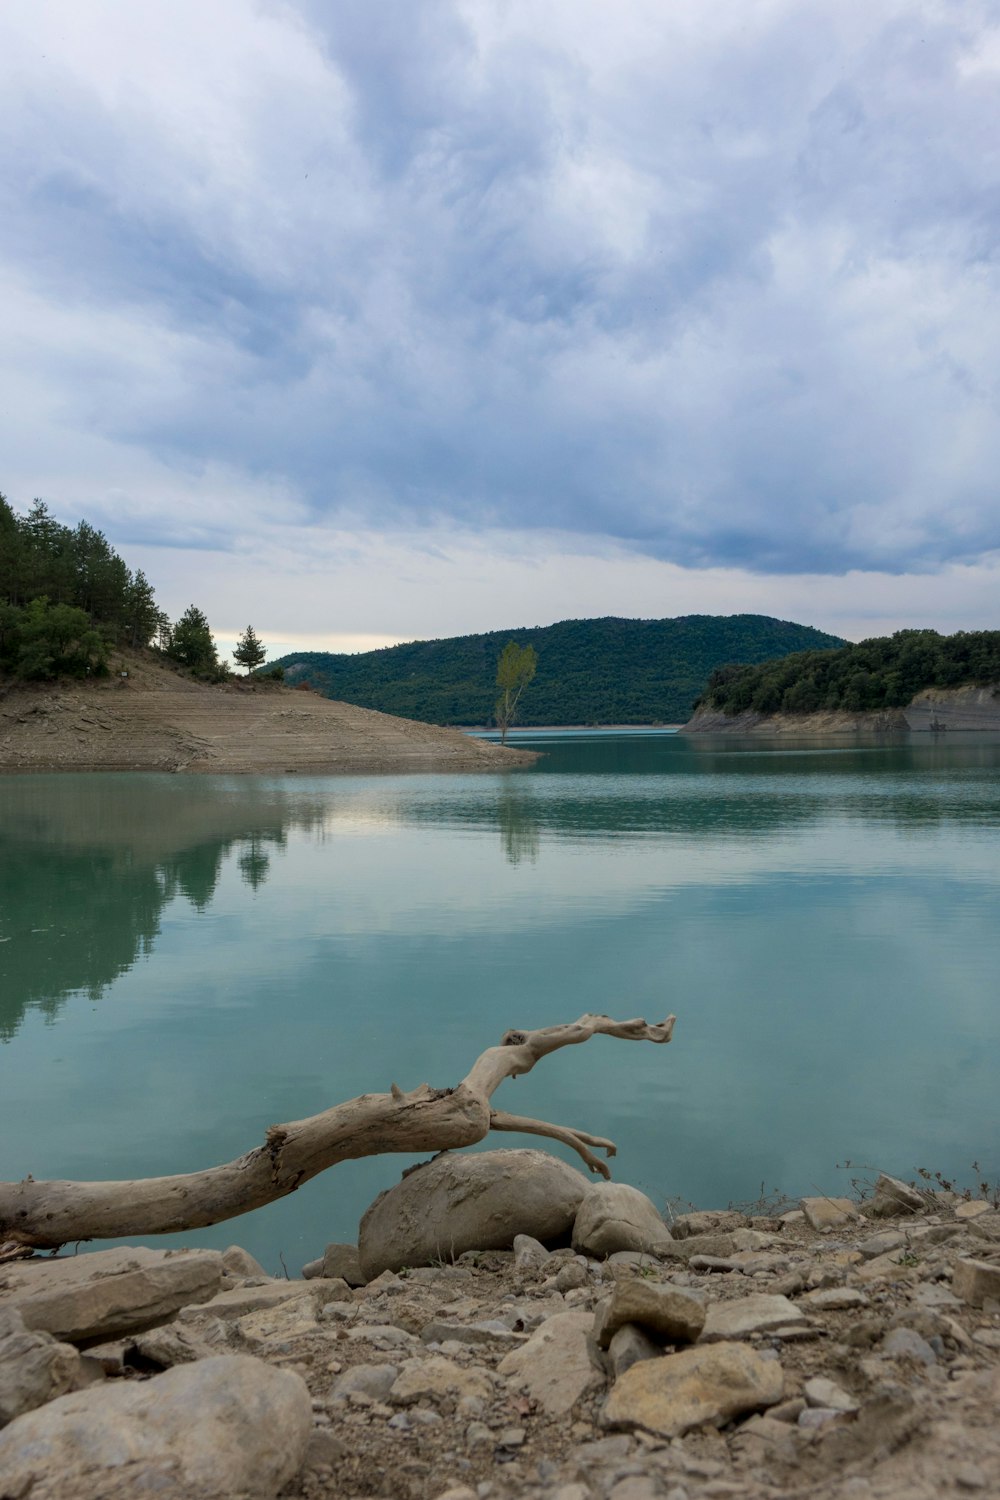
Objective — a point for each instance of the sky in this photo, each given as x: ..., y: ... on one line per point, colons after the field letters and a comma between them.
x: 375, y: 320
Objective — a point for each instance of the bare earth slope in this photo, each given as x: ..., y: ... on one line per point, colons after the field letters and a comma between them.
x: 931, y: 709
x: 157, y: 720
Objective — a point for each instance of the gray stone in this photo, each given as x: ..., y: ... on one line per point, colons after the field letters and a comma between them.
x: 222, y: 1427
x: 829, y: 1213
x: 435, y: 1377
x: 571, y: 1277
x: 818, y: 1416
x: 833, y: 1299
x: 671, y: 1312
x: 882, y: 1244
x: 239, y: 1262
x: 106, y: 1292
x: 383, y: 1336
x: 491, y: 1332
x: 628, y: 1346
x: 344, y: 1261
x: 240, y: 1300
x: 744, y: 1316
x: 892, y: 1197
x: 312, y: 1269
x: 712, y: 1221
x: 976, y: 1280
x: 614, y: 1216
x: 822, y: 1392
x: 673, y: 1394
x: 368, y: 1380
x: 906, y: 1343
x: 529, y: 1253
x: 986, y: 1228
x: 558, y: 1365
x: 34, y: 1367
x: 172, y: 1344
x: 457, y: 1203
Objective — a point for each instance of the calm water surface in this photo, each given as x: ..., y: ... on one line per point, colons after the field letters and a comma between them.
x: 184, y: 961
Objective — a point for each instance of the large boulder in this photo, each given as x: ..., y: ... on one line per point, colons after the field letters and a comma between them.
x: 226, y: 1426
x: 34, y: 1367
x: 480, y: 1201
x: 698, y: 1387
x: 614, y: 1216
x: 108, y: 1292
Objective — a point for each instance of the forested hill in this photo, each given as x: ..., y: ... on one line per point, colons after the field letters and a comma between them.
x: 607, y: 671
x: 884, y: 672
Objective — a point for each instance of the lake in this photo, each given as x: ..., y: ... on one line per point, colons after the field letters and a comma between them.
x: 184, y: 961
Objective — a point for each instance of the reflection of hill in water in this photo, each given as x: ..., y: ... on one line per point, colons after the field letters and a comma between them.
x: 87, y: 866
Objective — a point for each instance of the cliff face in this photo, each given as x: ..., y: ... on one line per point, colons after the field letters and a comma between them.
x: 154, y: 720
x: 933, y: 709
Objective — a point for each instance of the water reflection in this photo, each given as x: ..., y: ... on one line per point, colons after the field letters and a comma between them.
x: 519, y: 827
x: 89, y: 864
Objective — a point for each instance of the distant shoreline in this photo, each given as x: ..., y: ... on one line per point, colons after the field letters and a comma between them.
x: 529, y: 729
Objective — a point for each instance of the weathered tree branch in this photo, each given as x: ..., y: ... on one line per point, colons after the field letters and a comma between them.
x: 45, y: 1215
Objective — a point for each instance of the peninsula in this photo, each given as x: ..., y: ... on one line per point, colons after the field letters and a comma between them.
x: 145, y: 716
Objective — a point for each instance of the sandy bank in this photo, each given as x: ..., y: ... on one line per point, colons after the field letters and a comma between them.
x: 156, y: 720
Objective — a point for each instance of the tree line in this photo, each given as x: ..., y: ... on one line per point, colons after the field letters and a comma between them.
x: 884, y: 672
x: 598, y: 671
x: 67, y: 599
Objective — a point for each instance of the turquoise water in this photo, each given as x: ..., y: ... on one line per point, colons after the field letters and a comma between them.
x: 184, y: 961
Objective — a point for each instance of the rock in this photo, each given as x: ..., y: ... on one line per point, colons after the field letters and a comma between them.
x: 107, y: 1292
x: 529, y: 1253
x: 975, y: 1280
x: 892, y: 1197
x: 324, y: 1448
x: 614, y: 1216
x: 225, y: 1426
x: 430, y: 1379
x: 671, y: 1395
x: 343, y: 1261
x: 479, y: 1201
x: 34, y: 1367
x: 986, y: 1227
x: 628, y: 1346
x: 673, y: 1313
x: 312, y: 1269
x: 744, y: 1316
x: 906, y: 1343
x: 490, y: 1331
x: 240, y: 1300
x: 823, y: 1393
x: 818, y: 1416
x: 881, y: 1244
x: 713, y: 1221
x: 172, y: 1344
x: 370, y: 1380
x: 557, y: 1365
x: 239, y: 1262
x: 571, y: 1277
x: 972, y: 1208
x: 383, y: 1336
x: 833, y: 1299
x: 829, y: 1213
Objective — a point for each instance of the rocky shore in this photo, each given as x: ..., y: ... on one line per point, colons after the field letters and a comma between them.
x: 146, y: 717
x: 932, y: 711
x: 840, y: 1349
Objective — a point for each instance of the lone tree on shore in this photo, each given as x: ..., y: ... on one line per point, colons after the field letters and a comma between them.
x: 515, y: 669
x: 249, y: 652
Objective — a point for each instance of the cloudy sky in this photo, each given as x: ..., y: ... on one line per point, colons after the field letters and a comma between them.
x: 367, y: 320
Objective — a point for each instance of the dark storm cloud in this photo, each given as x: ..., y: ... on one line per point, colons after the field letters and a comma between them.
x: 720, y: 283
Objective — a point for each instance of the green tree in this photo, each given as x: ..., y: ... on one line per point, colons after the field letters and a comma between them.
x: 192, y: 643
x: 515, y: 669
x: 250, y: 652
x: 56, y: 640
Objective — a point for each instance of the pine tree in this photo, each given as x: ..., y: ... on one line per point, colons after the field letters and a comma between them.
x: 250, y: 652
x: 192, y: 645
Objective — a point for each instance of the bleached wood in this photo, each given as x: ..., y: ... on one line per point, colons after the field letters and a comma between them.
x: 45, y: 1215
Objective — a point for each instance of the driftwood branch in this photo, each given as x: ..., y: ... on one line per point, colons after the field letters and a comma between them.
x: 45, y: 1215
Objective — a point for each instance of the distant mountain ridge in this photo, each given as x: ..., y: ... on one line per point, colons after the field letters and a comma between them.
x: 600, y: 671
